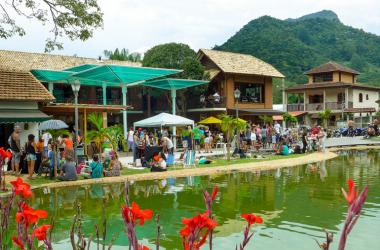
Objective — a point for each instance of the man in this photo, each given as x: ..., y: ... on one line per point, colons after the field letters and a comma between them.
x: 197, y: 138
x: 130, y: 139
x: 46, y: 137
x: 14, y: 142
x: 315, y: 130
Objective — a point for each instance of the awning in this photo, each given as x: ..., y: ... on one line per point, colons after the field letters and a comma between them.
x: 293, y: 113
x: 210, y: 120
x: 22, y: 115
x: 164, y: 119
x: 173, y: 84
x: 260, y: 111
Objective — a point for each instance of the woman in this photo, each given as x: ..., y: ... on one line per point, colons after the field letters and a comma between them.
x: 304, y: 140
x: 114, y: 167
x: 321, y: 140
x: 68, y: 170
x: 96, y: 167
x: 39, y: 154
x: 31, y: 157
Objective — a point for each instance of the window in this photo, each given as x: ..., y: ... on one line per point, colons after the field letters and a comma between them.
x: 323, y: 77
x: 360, y: 97
x: 251, y: 92
x: 341, y: 98
x: 367, y: 97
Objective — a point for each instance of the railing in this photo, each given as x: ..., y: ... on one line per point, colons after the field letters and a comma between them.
x: 198, y: 102
x: 89, y: 101
x: 295, y: 107
x: 314, y: 106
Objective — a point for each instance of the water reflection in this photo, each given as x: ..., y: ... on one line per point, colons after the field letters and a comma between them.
x: 296, y: 203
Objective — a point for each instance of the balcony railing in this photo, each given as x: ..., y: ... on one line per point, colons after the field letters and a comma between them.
x: 198, y: 102
x: 89, y: 101
x: 317, y: 106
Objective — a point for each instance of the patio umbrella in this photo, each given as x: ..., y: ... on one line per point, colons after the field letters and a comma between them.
x: 210, y: 120
x: 53, y: 125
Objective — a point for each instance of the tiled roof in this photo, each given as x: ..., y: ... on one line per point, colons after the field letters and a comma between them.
x: 25, y: 61
x: 331, y: 67
x: 330, y: 85
x: 240, y: 63
x: 22, y: 86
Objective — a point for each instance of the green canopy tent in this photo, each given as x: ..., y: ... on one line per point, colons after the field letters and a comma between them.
x: 103, y: 76
x: 173, y: 85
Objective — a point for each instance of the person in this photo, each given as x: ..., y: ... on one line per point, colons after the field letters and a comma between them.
x: 158, y: 164
x: 284, y: 149
x: 14, y: 142
x: 168, y: 145
x: 30, y: 149
x: 264, y: 135
x: 315, y: 129
x: 130, y: 139
x: 39, y: 154
x: 248, y: 134
x: 208, y: 141
x: 114, y: 167
x: 68, y: 144
x: 216, y: 97
x: 51, y: 160
x: 96, y: 167
x: 68, y: 170
x: 321, y: 140
x: 135, y: 149
x: 304, y: 140
x: 197, y: 138
x: 46, y: 137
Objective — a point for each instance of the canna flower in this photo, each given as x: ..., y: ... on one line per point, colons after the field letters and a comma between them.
x: 252, y: 219
x: 16, y: 241
x: 29, y: 216
x: 214, y: 193
x: 134, y: 214
x: 40, y: 232
x: 5, y: 154
x: 21, y: 188
x: 352, y: 192
x: 142, y: 247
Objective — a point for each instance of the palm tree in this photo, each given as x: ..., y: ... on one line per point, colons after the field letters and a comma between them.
x: 325, y: 116
x: 116, y: 134
x: 99, y: 134
x: 228, y: 126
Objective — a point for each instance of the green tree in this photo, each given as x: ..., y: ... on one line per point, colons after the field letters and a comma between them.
x: 229, y: 126
x: 289, y: 119
x: 325, y: 116
x: 266, y: 119
x: 116, y: 134
x: 99, y: 134
x: 122, y: 55
x: 177, y: 56
x: 74, y: 19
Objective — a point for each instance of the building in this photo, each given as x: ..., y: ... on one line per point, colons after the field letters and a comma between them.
x: 333, y: 86
x: 228, y: 72
x: 20, y: 98
x: 92, y: 97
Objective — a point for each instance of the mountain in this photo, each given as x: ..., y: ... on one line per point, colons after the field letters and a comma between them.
x: 294, y: 46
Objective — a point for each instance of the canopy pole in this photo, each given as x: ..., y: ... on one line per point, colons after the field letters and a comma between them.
x: 174, y: 96
x: 125, y: 118
x: 104, y: 88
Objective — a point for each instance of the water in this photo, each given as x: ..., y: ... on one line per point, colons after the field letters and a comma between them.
x: 296, y: 204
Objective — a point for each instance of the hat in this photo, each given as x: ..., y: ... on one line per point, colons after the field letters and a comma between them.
x: 139, y: 129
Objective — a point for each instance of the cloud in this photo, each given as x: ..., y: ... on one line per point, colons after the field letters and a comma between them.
x: 140, y: 24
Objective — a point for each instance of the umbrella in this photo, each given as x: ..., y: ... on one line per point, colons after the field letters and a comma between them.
x: 210, y: 120
x: 53, y: 125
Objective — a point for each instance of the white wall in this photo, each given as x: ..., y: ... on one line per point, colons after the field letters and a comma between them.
x: 373, y: 96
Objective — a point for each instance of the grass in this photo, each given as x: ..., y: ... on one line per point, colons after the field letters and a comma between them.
x: 41, y: 180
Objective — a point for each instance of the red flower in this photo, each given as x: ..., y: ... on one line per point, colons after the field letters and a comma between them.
x: 352, y: 192
x: 40, y: 232
x: 134, y: 213
x: 29, y: 216
x: 214, y: 192
x: 16, y: 241
x: 142, y: 247
x: 252, y: 219
x: 198, y: 226
x: 5, y: 154
x: 21, y: 188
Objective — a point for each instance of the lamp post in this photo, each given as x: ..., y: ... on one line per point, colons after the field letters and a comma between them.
x: 237, y: 94
x: 76, y: 87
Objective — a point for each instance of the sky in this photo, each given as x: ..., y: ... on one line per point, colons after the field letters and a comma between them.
x: 141, y: 24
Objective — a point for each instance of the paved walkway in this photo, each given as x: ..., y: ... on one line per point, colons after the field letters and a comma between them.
x: 349, y: 141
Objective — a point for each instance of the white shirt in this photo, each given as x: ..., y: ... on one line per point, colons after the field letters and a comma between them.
x: 277, y: 127
x: 130, y: 135
x: 46, y: 137
x: 169, y: 143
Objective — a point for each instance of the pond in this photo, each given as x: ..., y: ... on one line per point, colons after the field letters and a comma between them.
x: 296, y: 205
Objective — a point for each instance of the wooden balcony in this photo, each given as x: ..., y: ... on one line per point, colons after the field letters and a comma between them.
x: 195, y: 103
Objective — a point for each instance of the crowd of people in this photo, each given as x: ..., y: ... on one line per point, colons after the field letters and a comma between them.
x: 38, y: 157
